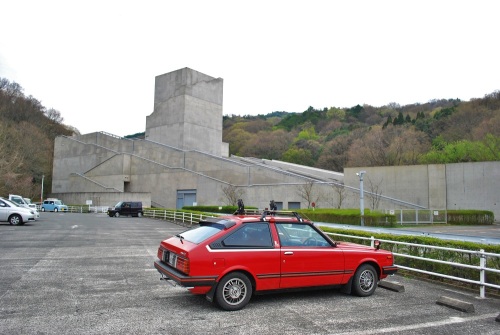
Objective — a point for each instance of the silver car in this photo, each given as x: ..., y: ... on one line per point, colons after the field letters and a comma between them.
x: 15, y: 214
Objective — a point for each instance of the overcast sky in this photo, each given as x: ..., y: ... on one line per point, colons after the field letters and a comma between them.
x: 96, y: 61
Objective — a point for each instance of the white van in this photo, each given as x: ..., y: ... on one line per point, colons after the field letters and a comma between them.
x: 22, y: 202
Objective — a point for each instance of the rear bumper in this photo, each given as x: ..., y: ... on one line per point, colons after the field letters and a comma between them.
x: 182, y: 279
x: 389, y: 270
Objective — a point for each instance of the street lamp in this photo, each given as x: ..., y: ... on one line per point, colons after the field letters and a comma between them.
x: 41, y: 193
x: 361, y: 196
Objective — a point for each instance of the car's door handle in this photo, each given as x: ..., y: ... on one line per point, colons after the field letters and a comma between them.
x: 288, y: 252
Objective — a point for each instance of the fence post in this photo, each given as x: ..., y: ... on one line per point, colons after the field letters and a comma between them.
x: 372, y: 241
x: 482, y: 265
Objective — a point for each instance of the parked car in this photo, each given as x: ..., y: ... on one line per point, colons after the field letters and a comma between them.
x: 230, y: 258
x: 53, y: 205
x: 24, y: 202
x: 126, y: 208
x: 14, y: 213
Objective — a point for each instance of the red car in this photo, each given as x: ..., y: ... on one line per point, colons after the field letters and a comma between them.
x: 232, y: 257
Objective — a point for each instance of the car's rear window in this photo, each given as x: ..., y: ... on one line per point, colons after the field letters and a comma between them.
x: 200, y: 234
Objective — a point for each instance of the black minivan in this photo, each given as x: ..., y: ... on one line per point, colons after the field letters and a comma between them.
x: 126, y: 208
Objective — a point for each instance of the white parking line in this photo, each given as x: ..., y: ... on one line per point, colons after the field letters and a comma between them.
x: 451, y: 320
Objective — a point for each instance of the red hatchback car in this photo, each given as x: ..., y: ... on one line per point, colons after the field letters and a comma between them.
x: 232, y: 257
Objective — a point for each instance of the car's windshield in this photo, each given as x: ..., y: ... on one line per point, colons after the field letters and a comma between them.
x: 58, y: 202
x: 119, y: 204
x: 200, y: 234
x: 12, y: 203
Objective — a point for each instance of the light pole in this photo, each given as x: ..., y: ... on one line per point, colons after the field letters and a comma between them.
x: 361, y: 196
x: 41, y: 193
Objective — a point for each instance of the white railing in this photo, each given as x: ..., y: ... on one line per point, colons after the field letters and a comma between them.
x: 481, y: 267
x: 88, y: 209
x: 418, y: 216
x: 175, y: 216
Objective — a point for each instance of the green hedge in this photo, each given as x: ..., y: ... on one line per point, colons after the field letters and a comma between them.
x: 422, y: 251
x: 379, y: 219
x: 349, y: 216
x: 353, y: 217
x: 470, y: 217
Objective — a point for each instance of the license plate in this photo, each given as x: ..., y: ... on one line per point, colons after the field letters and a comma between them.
x: 165, y: 256
x: 172, y: 259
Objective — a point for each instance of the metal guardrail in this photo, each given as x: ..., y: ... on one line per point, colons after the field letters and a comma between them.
x: 179, y: 217
x: 482, y: 268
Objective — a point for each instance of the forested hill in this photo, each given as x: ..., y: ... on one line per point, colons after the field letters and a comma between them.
x: 27, y: 133
x: 440, y: 131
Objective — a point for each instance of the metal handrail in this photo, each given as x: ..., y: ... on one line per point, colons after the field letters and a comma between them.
x: 480, y: 253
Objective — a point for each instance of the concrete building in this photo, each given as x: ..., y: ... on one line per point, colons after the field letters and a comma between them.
x: 187, y: 112
x: 183, y: 161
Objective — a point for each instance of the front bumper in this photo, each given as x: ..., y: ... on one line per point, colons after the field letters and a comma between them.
x: 183, y: 279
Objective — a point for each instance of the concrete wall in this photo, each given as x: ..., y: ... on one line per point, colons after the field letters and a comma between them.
x: 474, y: 186
x: 450, y: 186
x: 103, y: 199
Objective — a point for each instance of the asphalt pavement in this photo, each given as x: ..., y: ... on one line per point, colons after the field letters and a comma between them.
x: 92, y: 274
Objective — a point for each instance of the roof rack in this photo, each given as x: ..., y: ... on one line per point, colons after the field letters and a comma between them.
x: 267, y: 212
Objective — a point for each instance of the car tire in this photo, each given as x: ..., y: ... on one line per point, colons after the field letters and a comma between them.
x: 365, y: 281
x: 56, y: 210
x: 16, y: 220
x: 234, y: 291
x: 117, y: 215
x: 139, y: 214
x: 43, y: 209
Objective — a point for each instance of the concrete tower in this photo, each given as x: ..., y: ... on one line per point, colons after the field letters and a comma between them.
x: 188, y: 112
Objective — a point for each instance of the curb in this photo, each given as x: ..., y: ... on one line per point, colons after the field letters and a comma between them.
x: 456, y: 304
x: 391, y: 286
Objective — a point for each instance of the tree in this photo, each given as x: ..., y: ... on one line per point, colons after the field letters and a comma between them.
x: 375, y: 192
x: 341, y: 192
x: 10, y: 162
x: 334, y: 155
x: 299, y: 156
x: 269, y: 145
x: 307, y: 192
x: 54, y: 115
x: 231, y: 194
x: 390, y: 146
x: 399, y: 120
x: 336, y: 113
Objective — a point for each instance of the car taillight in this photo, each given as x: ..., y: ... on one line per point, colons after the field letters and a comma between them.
x: 182, y: 265
x: 160, y: 254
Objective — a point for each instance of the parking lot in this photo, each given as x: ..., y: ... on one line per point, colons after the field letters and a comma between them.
x: 92, y: 274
